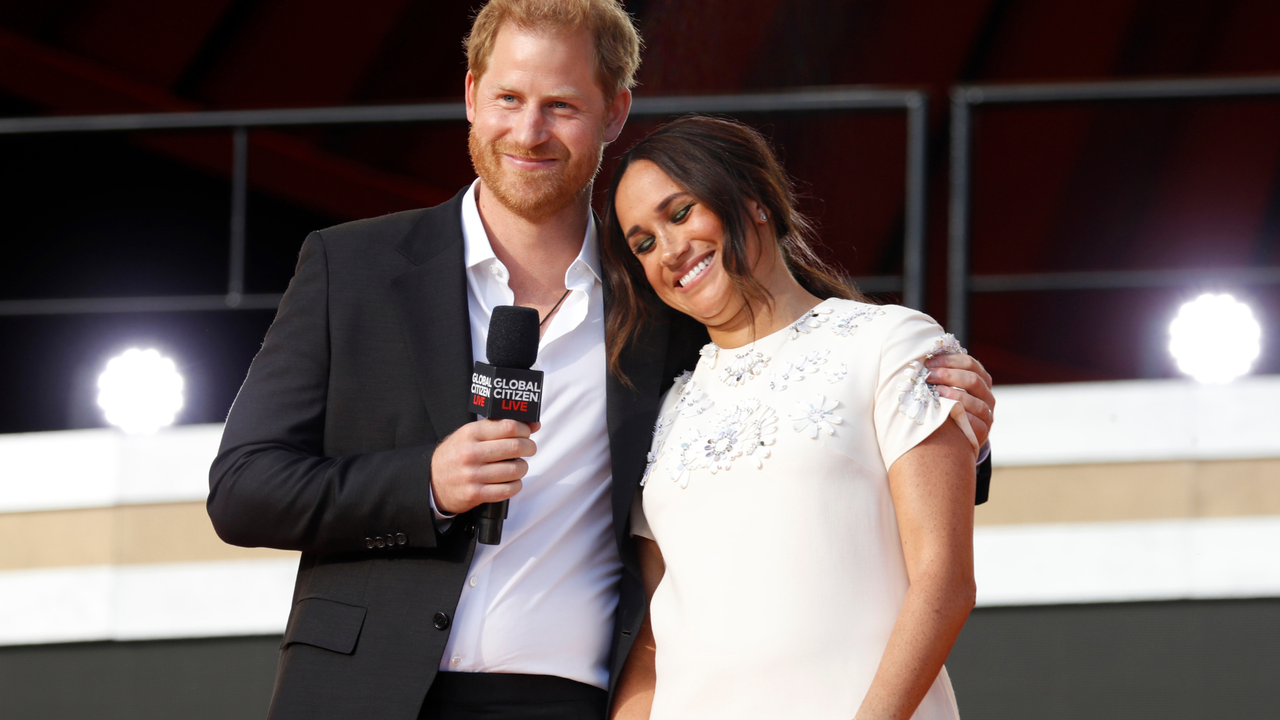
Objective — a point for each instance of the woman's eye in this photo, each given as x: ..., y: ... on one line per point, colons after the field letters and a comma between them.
x: 643, y: 246
x: 682, y: 213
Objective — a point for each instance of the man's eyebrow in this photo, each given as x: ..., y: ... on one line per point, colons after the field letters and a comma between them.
x: 661, y: 207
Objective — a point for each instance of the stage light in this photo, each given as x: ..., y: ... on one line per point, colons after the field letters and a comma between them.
x: 140, y: 391
x: 1215, y: 338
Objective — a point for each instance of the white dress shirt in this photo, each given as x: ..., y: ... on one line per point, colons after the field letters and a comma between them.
x: 542, y: 602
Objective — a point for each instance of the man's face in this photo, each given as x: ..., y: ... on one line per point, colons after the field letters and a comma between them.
x: 539, y: 120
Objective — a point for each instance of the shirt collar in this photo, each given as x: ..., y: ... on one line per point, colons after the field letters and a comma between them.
x: 478, y: 249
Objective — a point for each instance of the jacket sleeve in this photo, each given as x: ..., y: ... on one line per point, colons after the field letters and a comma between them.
x: 270, y: 484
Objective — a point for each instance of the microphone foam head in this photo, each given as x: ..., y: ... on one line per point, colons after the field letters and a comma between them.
x: 513, y: 337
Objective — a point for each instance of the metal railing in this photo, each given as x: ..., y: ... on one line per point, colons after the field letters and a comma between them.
x: 843, y: 99
x: 964, y: 100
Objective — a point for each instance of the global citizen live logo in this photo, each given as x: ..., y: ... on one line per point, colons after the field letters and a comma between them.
x: 506, y: 393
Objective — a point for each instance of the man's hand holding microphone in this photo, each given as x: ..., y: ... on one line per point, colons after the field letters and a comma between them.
x: 482, y: 463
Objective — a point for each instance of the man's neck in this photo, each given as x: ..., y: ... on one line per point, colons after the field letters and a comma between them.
x: 536, y: 253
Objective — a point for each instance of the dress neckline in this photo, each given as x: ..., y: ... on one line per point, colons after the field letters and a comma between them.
x: 783, y: 329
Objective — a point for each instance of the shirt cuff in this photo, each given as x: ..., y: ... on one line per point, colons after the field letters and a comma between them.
x: 983, y: 453
x: 443, y: 519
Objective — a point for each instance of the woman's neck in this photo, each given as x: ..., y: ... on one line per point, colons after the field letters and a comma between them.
x: 790, y: 301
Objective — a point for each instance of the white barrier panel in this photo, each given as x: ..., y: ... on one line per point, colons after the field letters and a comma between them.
x: 99, y: 468
x: 146, y: 602
x: 1127, y: 561
x: 1136, y: 421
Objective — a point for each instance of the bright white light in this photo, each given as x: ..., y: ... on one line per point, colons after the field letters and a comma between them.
x: 140, y: 391
x: 1215, y: 338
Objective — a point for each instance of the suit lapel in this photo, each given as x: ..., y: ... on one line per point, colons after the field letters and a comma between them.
x: 432, y: 300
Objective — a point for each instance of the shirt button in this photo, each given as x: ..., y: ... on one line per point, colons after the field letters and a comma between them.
x: 440, y: 621
x: 473, y: 582
x: 455, y: 661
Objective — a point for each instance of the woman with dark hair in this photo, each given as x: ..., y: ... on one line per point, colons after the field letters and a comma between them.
x: 806, y: 517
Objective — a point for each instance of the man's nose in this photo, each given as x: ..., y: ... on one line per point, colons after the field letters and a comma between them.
x: 531, y: 127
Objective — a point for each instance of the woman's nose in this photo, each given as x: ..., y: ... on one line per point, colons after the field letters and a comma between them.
x: 674, y: 249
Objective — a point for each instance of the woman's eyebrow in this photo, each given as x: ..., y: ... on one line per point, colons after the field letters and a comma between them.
x: 660, y: 208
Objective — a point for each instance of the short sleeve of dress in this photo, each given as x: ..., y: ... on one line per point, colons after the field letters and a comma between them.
x: 907, y: 408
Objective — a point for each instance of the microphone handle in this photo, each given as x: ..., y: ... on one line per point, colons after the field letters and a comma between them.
x: 489, y: 522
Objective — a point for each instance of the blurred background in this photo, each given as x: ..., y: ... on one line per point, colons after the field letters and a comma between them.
x: 1129, y: 558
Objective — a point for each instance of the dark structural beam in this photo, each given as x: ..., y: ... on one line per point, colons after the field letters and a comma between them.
x: 960, y: 284
x: 841, y: 99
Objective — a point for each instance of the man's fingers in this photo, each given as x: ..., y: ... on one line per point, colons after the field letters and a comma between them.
x: 966, y: 380
x: 491, y: 451
x: 497, y: 492
x: 958, y: 361
x: 973, y: 405
x: 495, y: 429
x: 980, y: 428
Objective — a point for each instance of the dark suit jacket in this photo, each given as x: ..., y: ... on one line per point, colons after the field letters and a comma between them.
x: 327, y: 450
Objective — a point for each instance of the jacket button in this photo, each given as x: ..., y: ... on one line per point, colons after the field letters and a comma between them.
x: 380, y: 542
x: 368, y: 543
x: 401, y: 539
x: 470, y: 529
x: 441, y: 621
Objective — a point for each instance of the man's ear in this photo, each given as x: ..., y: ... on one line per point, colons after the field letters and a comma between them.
x: 617, y: 115
x: 469, y: 92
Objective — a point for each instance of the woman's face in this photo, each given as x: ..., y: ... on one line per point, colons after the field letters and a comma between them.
x: 678, y: 241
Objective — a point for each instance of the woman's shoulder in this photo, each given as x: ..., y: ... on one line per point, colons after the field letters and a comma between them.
x: 888, y: 327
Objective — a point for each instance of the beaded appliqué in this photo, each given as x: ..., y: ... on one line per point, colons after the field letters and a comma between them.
x: 744, y: 430
x: 916, y: 395
x: 946, y: 345
x: 835, y: 375
x: 796, y: 370
x: 692, y: 401
x: 811, y: 319
x: 847, y: 324
x: 744, y: 366
x: 815, y: 415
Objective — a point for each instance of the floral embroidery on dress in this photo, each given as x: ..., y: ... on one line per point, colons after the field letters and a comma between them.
x: 946, y: 345
x: 847, y: 324
x: 649, y: 461
x: 744, y: 366
x: 811, y: 319
x: 917, y: 395
x: 796, y: 370
x: 813, y: 415
x: 745, y: 429
x: 692, y: 401
x: 708, y: 354
x: 835, y: 375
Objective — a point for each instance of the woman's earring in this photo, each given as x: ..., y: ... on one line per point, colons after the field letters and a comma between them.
x: 763, y: 217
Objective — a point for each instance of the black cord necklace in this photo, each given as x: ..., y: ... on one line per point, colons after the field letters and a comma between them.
x: 553, y: 308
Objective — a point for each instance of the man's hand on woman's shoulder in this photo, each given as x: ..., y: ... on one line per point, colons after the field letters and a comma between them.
x: 963, y: 379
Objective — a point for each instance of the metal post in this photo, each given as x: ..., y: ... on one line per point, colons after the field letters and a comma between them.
x: 239, y: 192
x: 913, y: 245
x: 958, y: 220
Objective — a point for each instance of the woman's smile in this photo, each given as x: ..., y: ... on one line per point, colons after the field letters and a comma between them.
x: 698, y: 271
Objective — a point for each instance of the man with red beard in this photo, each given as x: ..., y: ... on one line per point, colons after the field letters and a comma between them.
x: 351, y: 441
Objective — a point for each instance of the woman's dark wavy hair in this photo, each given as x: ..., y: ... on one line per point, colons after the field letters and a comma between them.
x: 723, y: 164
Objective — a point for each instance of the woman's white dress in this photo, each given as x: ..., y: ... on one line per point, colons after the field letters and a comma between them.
x: 767, y: 491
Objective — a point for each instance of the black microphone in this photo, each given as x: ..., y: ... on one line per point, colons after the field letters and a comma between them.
x: 505, y: 388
